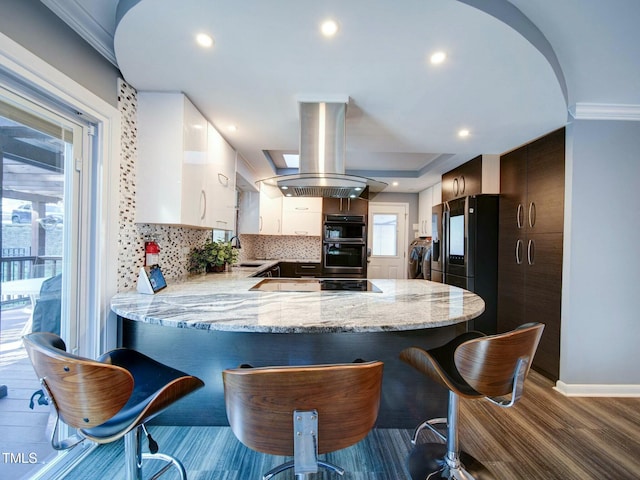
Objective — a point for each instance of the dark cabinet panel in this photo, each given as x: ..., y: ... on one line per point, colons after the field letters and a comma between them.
x: 352, y: 206
x: 543, y: 296
x: 287, y: 269
x: 463, y: 181
x: 545, y: 184
x: 530, y: 243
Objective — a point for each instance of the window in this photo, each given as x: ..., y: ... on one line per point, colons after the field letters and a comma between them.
x: 385, y: 235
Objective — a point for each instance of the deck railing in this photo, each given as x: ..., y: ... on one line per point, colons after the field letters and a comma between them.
x: 26, y: 266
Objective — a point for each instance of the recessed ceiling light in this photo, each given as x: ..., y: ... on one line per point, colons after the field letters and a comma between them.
x: 329, y: 28
x: 438, y: 57
x: 204, y: 40
x: 463, y: 133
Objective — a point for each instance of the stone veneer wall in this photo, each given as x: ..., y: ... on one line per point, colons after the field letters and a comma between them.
x: 280, y: 247
x: 175, y: 242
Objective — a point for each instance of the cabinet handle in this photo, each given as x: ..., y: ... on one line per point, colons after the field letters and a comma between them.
x: 203, y: 204
x: 463, y: 183
x: 349, y: 204
x: 222, y: 176
x: 531, y: 252
x: 519, y: 215
x: 311, y: 267
x: 301, y: 232
x: 302, y: 208
x: 518, y: 248
x: 456, y: 187
x: 278, y: 225
x: 532, y: 214
x: 260, y: 224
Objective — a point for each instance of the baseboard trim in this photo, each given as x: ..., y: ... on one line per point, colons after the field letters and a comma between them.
x: 589, y: 390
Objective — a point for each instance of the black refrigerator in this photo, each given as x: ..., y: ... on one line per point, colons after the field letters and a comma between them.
x: 465, y: 251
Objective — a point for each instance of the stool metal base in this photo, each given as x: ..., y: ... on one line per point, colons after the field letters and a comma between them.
x: 427, y: 462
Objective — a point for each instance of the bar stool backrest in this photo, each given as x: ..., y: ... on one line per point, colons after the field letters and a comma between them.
x: 488, y: 363
x: 85, y: 393
x: 260, y: 403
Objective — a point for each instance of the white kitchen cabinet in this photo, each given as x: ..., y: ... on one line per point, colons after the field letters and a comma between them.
x: 261, y: 212
x: 427, y: 198
x: 424, y: 212
x: 270, y: 210
x: 172, y: 161
x: 267, y: 212
x: 220, y: 182
x: 302, y: 216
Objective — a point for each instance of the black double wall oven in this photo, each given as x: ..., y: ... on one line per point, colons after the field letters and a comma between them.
x: 344, y: 246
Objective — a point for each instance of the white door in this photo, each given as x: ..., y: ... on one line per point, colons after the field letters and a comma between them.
x: 387, y: 240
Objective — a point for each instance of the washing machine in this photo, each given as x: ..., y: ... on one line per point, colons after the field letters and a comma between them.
x: 420, y: 258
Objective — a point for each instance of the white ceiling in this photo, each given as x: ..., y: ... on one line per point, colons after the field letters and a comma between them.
x: 403, y: 117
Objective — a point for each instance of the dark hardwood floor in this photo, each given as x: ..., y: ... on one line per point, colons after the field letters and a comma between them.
x: 545, y: 436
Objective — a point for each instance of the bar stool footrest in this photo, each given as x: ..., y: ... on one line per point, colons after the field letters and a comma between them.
x: 427, y: 461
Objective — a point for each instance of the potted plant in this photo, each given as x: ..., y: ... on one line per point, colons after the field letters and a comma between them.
x: 212, y: 257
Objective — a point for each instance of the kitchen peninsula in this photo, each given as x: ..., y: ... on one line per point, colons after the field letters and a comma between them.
x: 218, y: 321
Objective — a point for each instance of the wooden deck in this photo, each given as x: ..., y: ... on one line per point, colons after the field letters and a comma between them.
x: 23, y: 430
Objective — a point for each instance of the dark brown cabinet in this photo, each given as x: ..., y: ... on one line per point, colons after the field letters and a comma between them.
x: 350, y: 206
x: 530, y: 243
x: 463, y: 181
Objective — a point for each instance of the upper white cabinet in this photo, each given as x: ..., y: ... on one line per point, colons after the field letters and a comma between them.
x: 302, y: 216
x: 269, y: 213
x: 424, y: 212
x: 261, y: 212
x: 270, y: 210
x: 427, y: 198
x: 172, y: 157
x: 185, y: 170
x: 220, y: 182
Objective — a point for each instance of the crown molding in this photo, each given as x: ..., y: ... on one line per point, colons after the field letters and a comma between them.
x: 75, y: 14
x: 604, y: 111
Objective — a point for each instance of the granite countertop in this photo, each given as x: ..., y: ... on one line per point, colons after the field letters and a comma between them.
x: 224, y: 301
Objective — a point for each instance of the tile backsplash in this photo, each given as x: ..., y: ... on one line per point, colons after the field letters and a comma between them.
x: 280, y: 247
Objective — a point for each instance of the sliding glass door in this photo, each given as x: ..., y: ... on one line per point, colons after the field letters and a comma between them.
x: 43, y: 223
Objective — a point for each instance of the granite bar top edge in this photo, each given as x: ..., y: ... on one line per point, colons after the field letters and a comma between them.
x: 224, y: 302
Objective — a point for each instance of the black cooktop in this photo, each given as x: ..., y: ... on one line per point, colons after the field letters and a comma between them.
x: 315, y: 285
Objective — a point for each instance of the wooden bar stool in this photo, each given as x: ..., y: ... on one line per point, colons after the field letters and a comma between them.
x: 471, y: 365
x: 303, y: 411
x: 108, y: 398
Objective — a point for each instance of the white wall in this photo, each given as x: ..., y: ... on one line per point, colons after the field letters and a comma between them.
x: 601, y: 321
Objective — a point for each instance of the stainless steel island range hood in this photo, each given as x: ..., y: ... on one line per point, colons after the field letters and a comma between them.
x: 322, y: 157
